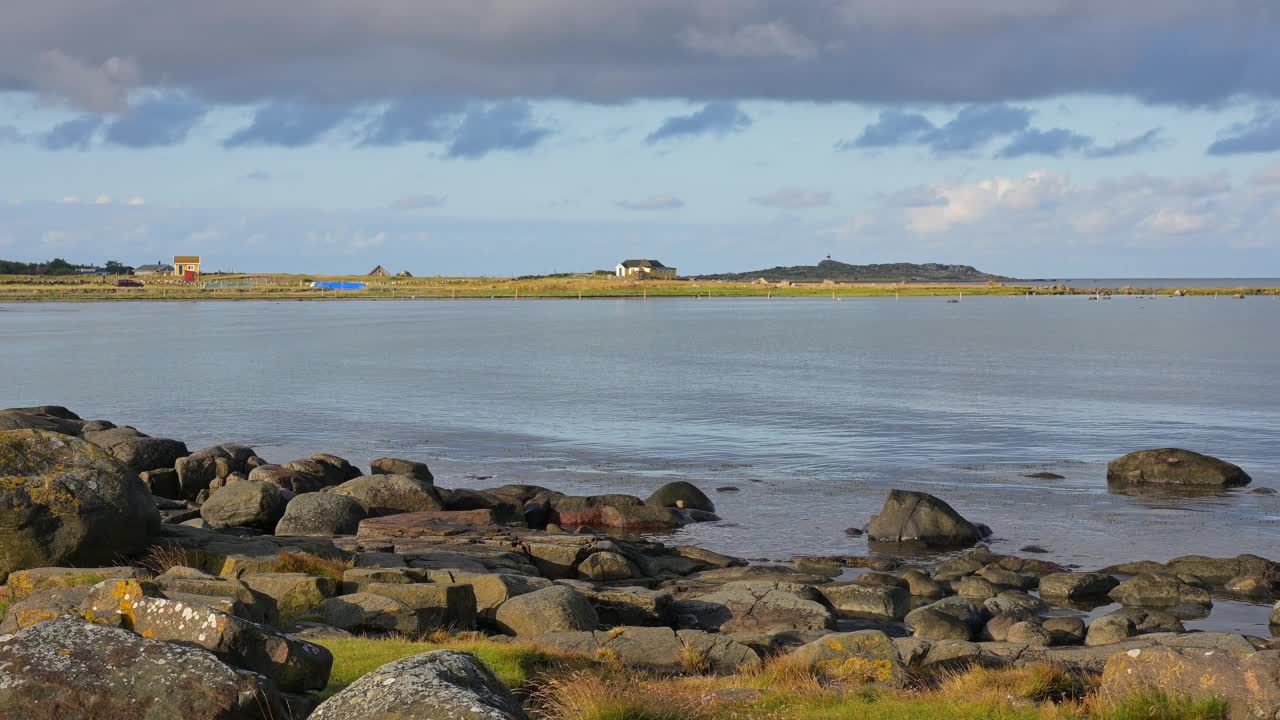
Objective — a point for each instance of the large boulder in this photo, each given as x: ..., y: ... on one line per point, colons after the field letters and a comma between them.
x: 1171, y: 466
x: 257, y: 505
x: 136, y: 450
x: 367, y: 612
x: 756, y: 606
x: 72, y: 669
x: 391, y: 494
x: 1076, y: 586
x: 439, y: 685
x: 867, y: 600
x: 1159, y: 591
x: 318, y: 514
x: 1249, y: 683
x: 920, y: 518
x: 64, y: 501
x: 655, y: 649
x: 53, y: 418
x: 552, y: 609
x: 868, y: 655
x: 407, y: 468
x: 681, y: 494
x: 290, y: 478
x: 197, y: 470
x: 1220, y: 571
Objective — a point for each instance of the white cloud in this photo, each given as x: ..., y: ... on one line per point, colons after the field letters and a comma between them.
x: 655, y: 202
x: 794, y: 199
x: 967, y: 203
x: 70, y: 200
x: 1169, y: 221
x: 849, y: 229
x: 102, y: 200
x: 57, y: 239
x: 136, y: 200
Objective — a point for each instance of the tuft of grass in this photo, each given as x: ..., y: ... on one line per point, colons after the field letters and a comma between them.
x: 159, y: 558
x: 516, y: 665
x: 585, y: 695
x: 310, y: 564
x: 1038, y: 683
x: 4, y: 607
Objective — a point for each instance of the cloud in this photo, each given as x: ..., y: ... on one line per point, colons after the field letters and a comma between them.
x: 716, y: 118
x: 70, y: 200
x: 893, y: 127
x: 975, y: 126
x: 413, y: 120
x: 102, y: 200
x: 967, y: 203
x: 1259, y: 135
x: 1059, y: 141
x: 74, y: 134
x: 1181, y: 52
x: 419, y: 202
x: 794, y: 199
x: 507, y: 125
x: 655, y: 202
x: 136, y: 201
x: 158, y: 120
x: 1149, y: 140
x: 95, y: 88
x: 1169, y: 221
x: 1054, y: 143
x: 763, y: 40
x: 972, y: 127
x: 258, y: 176
x: 287, y: 124
x: 11, y: 134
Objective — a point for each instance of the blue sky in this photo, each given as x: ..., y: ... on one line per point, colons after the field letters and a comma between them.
x: 1038, y: 138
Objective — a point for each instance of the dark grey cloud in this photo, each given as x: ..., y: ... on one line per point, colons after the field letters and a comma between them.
x: 1259, y: 135
x: 894, y: 127
x: 507, y: 125
x: 288, y: 124
x: 159, y: 120
x: 1186, y: 52
x: 717, y: 118
x: 75, y: 134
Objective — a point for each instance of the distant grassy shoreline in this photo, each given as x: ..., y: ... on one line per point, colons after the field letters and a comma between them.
x: 296, y: 287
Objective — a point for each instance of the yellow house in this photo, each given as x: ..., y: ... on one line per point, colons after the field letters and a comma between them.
x: 644, y: 269
x: 183, y: 264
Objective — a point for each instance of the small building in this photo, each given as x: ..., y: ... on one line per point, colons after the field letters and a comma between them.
x: 186, y: 267
x: 379, y: 271
x: 158, y: 269
x: 404, y: 274
x: 644, y: 269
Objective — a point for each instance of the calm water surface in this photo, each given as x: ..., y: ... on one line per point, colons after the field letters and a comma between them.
x: 812, y: 409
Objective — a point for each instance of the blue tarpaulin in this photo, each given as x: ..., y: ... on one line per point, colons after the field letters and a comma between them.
x: 337, y: 285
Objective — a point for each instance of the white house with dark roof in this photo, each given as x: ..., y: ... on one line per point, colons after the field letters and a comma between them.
x: 644, y: 269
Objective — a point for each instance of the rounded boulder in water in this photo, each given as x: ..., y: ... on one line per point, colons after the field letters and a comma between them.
x: 681, y: 494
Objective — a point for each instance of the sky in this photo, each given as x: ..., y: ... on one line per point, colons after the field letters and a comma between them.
x: 1031, y: 138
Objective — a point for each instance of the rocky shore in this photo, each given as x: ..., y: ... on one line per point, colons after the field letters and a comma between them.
x: 144, y: 578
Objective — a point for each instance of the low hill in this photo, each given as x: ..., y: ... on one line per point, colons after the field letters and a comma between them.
x: 844, y: 272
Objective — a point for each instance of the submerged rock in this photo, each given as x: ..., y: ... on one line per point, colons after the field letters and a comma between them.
x: 916, y: 517
x: 64, y: 501
x: 681, y: 494
x: 1172, y: 466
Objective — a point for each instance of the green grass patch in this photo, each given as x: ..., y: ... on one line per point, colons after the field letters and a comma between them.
x: 309, y: 564
x: 1163, y: 706
x: 353, y: 658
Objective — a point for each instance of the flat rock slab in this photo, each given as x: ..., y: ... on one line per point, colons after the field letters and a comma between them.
x: 428, y: 523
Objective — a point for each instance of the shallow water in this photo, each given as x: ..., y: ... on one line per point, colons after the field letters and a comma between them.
x: 813, y: 409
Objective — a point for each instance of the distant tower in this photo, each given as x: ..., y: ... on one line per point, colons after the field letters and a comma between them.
x: 828, y: 258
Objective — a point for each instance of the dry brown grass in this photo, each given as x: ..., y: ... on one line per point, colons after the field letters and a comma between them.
x: 158, y: 559
x: 311, y: 564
